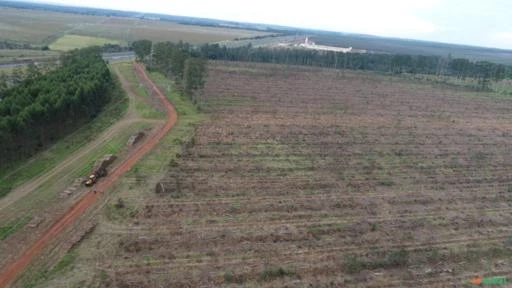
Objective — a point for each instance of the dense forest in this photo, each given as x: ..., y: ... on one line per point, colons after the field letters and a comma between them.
x: 394, y: 63
x: 46, y: 106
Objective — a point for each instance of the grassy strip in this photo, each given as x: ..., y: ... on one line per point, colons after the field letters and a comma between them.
x: 141, y: 106
x: 11, y: 228
x: 158, y: 161
x: 43, y: 275
x: 15, y: 174
x: 189, y: 117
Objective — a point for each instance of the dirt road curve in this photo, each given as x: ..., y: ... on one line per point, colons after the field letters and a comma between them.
x: 13, y: 270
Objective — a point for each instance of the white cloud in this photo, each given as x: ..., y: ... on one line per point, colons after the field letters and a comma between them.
x: 501, y: 39
x: 503, y: 36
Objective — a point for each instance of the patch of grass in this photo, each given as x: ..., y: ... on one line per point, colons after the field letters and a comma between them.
x: 397, y: 258
x: 12, y: 227
x: 142, y: 107
x: 229, y: 277
x: 70, y: 42
x: 271, y: 273
x: 433, y: 255
x: 352, y: 264
x: 43, y: 275
x: 392, y: 259
x: 159, y: 159
x: 16, y: 173
x: 386, y: 182
x: 119, y: 211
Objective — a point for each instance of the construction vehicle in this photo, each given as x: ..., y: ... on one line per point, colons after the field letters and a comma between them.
x: 100, y: 169
x: 91, y: 181
x: 93, y: 178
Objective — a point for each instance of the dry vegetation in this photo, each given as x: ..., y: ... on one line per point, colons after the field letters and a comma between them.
x: 315, y: 177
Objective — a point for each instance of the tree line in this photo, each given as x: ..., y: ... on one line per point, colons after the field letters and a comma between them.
x: 46, y: 106
x: 393, y: 63
x: 179, y: 61
x: 187, y: 66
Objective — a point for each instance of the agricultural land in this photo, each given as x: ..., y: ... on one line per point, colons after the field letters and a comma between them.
x: 313, y: 177
x: 388, y: 166
x: 18, y: 25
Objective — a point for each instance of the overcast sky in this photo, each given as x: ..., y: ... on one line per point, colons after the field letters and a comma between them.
x: 475, y: 22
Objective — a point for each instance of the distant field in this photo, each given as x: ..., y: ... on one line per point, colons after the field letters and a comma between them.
x: 44, y: 27
x: 130, y: 29
x: 384, y: 45
x: 20, y: 55
x: 405, y: 46
x: 70, y: 42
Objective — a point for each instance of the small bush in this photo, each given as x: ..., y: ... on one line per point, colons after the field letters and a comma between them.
x: 353, y: 264
x: 397, y: 258
x: 229, y: 277
x: 275, y: 272
x: 433, y: 255
x: 508, y: 242
x: 386, y: 182
x: 119, y: 204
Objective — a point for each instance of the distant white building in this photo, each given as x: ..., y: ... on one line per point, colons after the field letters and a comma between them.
x: 312, y: 45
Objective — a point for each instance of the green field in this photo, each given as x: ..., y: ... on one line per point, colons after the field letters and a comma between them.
x: 70, y: 42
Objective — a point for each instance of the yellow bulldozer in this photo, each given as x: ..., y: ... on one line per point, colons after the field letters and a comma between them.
x: 93, y: 178
x: 100, y: 170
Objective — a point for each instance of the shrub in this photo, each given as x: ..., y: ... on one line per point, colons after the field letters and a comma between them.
x: 397, y: 258
x: 353, y: 264
x: 275, y: 272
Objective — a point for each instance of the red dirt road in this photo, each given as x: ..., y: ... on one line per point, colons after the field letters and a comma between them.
x: 12, y: 271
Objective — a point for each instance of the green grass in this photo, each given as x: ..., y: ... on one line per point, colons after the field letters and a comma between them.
x: 142, y: 107
x: 391, y: 259
x: 189, y: 117
x: 70, y: 42
x: 271, y: 273
x: 41, y: 276
x: 13, y: 226
x: 15, y: 174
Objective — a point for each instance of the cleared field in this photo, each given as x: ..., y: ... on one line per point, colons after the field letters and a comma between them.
x: 19, y: 25
x: 317, y: 177
x: 70, y: 42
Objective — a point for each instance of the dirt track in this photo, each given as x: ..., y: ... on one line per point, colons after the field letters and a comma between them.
x: 12, y: 271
